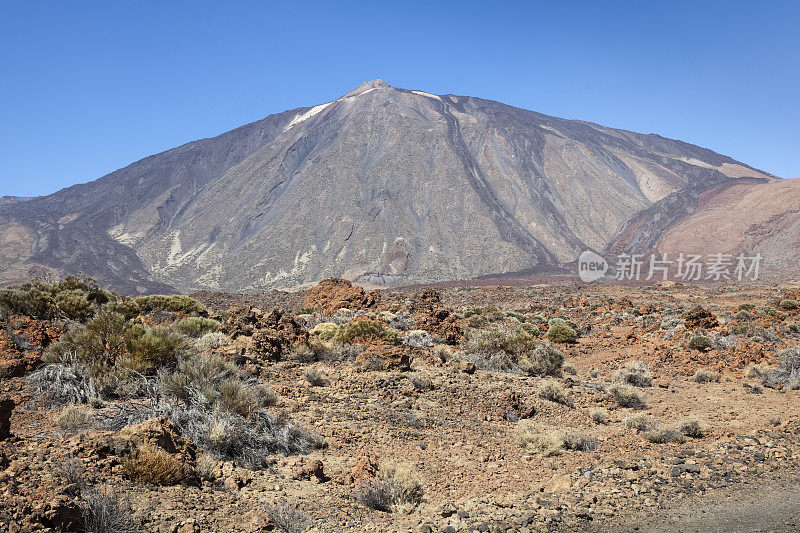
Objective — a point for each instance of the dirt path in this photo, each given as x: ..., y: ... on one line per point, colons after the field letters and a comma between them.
x: 768, y: 507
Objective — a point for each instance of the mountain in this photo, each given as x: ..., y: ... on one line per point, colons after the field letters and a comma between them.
x: 383, y: 185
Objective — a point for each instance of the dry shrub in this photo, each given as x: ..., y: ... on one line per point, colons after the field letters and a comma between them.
x: 599, y: 416
x: 152, y: 465
x: 691, y: 428
x: 627, y: 396
x: 636, y: 373
x: 553, y: 391
x: 72, y: 417
x: 703, y: 375
x: 288, y: 519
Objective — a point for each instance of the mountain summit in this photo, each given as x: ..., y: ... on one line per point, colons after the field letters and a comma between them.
x: 383, y: 185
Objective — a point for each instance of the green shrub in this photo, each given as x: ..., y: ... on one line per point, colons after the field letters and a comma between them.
x: 530, y: 329
x: 560, y: 332
x: 72, y: 298
x: 364, y: 329
x: 788, y: 305
x: 176, y: 303
x: 701, y: 343
x: 156, y: 347
x: 195, y: 326
x: 102, y: 340
x: 325, y: 330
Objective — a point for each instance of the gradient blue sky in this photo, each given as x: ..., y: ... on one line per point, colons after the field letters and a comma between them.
x: 89, y: 87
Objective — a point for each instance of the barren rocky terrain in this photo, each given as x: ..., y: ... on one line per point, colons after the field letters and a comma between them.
x: 487, y: 408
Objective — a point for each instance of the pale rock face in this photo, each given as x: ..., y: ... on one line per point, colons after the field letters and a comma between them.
x: 383, y: 185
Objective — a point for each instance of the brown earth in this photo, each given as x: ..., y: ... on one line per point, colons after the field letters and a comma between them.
x: 458, y: 431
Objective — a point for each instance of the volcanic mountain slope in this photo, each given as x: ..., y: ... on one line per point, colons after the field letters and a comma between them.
x: 383, y: 185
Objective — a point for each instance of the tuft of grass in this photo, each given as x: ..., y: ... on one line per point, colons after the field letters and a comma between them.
x: 396, y: 488
x: 703, y: 375
x: 206, y: 468
x: 636, y: 373
x: 756, y: 370
x: 662, y: 436
x: 789, y: 305
x: 569, y: 368
x: 599, y: 416
x: 72, y: 417
x: 691, y: 428
x: 554, y: 443
x: 627, y: 396
x: 211, y: 341
x: 152, y: 465
x: 701, y: 343
x: 288, y: 519
x: 315, y: 377
x: 106, y: 512
x: 639, y: 422
x: 553, y: 391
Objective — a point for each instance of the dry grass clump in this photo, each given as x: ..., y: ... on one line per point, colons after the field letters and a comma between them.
x: 691, y: 428
x: 789, y: 305
x: 152, y: 465
x: 569, y: 368
x: 545, y: 359
x: 553, y: 391
x: 211, y: 341
x: 639, y: 422
x: 662, y: 436
x: 636, y: 373
x: 703, y: 375
x: 599, y: 416
x: 627, y: 396
x: 396, y: 488
x: 315, y: 377
x: 288, y: 519
x: 756, y: 370
x: 554, y: 443
x: 105, y: 512
x: 72, y: 417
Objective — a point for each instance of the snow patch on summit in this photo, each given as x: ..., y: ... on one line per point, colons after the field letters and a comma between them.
x: 307, y: 115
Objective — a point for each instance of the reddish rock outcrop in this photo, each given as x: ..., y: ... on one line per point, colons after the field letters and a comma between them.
x: 334, y: 293
x: 700, y: 318
x: 429, y: 314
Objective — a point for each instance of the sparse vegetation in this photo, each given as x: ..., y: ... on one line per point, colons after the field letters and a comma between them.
x: 639, y: 422
x: 599, y: 416
x: 72, y: 417
x: 364, y: 329
x: 703, y: 375
x: 789, y: 305
x: 544, y: 359
x: 627, y: 396
x: 561, y: 332
x: 211, y: 341
x: 106, y: 512
x: 395, y: 488
x: 691, y: 428
x: 553, y: 391
x: 701, y: 343
x: 554, y: 443
x: 288, y: 519
x: 315, y: 377
x: 151, y: 465
x: 174, y: 303
x: 636, y: 373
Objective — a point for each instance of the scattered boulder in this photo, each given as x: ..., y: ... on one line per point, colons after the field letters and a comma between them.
x: 700, y: 318
x: 273, y: 333
x: 334, y: 293
x: 383, y: 357
x: 303, y: 468
x: 430, y: 315
x: 366, y: 468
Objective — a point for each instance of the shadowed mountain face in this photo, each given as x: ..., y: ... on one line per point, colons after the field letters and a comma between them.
x: 383, y: 185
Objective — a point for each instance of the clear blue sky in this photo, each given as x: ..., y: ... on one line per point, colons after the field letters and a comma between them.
x: 89, y: 87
